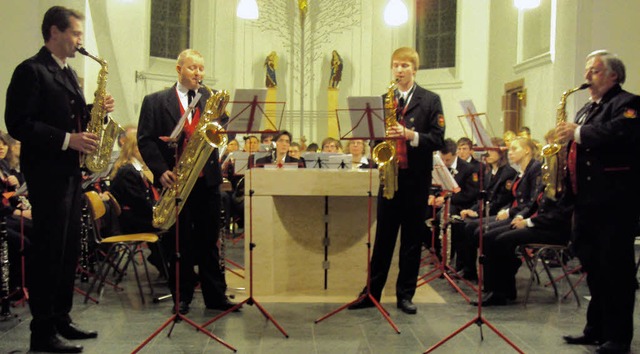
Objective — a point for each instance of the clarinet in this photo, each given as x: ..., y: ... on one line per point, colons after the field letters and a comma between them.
x: 84, y: 244
x: 221, y: 236
x: 5, y: 310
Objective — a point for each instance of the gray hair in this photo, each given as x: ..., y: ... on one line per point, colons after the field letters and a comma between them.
x: 612, y: 63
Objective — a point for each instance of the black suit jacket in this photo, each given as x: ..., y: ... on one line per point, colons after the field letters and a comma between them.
x: 159, y: 114
x: 135, y: 199
x: 526, y: 191
x: 497, y: 187
x: 42, y: 106
x: 466, y: 176
x: 288, y: 159
x: 608, y: 167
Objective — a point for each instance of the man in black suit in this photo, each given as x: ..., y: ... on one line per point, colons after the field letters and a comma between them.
x: 280, y: 155
x: 602, y: 180
x: 199, y: 219
x: 420, y: 128
x: 47, y: 112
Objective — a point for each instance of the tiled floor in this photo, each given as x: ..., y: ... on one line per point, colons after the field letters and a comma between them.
x: 124, y: 323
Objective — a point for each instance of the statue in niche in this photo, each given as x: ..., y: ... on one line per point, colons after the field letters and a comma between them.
x: 336, y: 70
x: 271, y: 63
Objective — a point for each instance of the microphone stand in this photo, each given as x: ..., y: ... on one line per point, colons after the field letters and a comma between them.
x: 479, y: 319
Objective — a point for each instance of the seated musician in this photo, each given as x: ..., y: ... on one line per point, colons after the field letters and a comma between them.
x: 295, y: 150
x: 358, y: 150
x: 546, y: 221
x: 523, y: 154
x: 467, y: 180
x: 132, y: 186
x: 330, y: 144
x: 281, y: 156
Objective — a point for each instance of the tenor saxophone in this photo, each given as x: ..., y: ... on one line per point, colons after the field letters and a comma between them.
x: 207, y: 136
x: 98, y: 160
x: 554, y: 154
x: 384, y: 154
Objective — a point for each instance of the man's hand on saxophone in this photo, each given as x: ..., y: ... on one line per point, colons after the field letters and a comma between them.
x: 84, y: 142
x: 109, y: 103
x: 398, y: 130
x: 565, y: 131
x: 167, y: 179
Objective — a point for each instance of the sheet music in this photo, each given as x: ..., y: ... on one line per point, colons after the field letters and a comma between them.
x: 340, y: 161
x: 442, y: 177
x: 480, y: 136
x: 319, y: 159
x: 359, y: 120
x: 178, y: 129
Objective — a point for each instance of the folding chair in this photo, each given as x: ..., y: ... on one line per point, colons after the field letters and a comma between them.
x: 121, y: 248
x: 535, y: 253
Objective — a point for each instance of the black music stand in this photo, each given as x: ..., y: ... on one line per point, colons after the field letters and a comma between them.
x: 479, y: 319
x: 368, y: 116
x: 177, y: 316
x: 244, y: 124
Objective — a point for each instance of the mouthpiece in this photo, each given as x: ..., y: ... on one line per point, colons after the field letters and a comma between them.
x: 584, y: 86
x: 82, y: 51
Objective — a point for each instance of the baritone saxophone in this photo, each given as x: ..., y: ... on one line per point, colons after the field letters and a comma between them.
x: 98, y: 160
x: 554, y: 154
x: 208, y: 135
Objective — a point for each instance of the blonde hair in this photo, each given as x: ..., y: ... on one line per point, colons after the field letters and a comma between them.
x: 408, y: 54
x: 188, y: 53
x: 127, y: 153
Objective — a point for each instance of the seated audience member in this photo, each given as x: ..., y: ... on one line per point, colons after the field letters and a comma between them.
x: 251, y: 144
x: 232, y: 146
x: 547, y: 222
x: 522, y: 153
x: 281, y: 156
x: 266, y: 138
x: 331, y: 145
x: 132, y: 186
x: 358, y: 150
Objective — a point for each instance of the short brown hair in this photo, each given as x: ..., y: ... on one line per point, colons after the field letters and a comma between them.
x: 58, y: 16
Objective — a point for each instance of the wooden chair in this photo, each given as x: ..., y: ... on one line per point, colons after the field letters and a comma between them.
x: 121, y: 248
x: 535, y: 253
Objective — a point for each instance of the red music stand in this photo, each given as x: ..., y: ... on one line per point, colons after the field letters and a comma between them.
x: 479, y: 319
x: 23, y: 288
x: 246, y: 126
x: 368, y: 113
x: 177, y: 316
x: 443, y: 269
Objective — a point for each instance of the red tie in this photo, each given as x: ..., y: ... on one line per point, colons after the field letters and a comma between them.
x: 571, y: 166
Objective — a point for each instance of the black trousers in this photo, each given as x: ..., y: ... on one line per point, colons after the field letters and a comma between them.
x: 604, y: 242
x: 199, y: 223
x: 55, y: 246
x: 501, y: 262
x: 404, y: 212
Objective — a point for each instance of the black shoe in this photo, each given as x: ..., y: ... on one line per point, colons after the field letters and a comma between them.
x: 72, y: 331
x: 610, y: 347
x: 467, y: 275
x: 492, y: 299
x: 581, y: 340
x: 363, y: 303
x: 183, y: 308
x: 407, y: 306
x: 53, y: 344
x: 224, y: 306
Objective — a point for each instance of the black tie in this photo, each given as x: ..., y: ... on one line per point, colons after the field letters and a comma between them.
x: 400, y: 108
x: 190, y: 95
x: 71, y: 77
x: 583, y: 117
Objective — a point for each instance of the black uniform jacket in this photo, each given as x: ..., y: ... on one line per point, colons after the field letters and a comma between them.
x: 288, y: 159
x: 40, y: 122
x: 159, y: 114
x: 607, y: 156
x: 526, y: 191
x: 466, y: 176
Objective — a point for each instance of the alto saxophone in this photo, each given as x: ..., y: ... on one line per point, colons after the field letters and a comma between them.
x: 555, y: 162
x: 107, y: 134
x: 384, y: 154
x: 207, y: 136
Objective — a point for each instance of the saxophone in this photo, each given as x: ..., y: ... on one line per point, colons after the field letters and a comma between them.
x: 384, y: 154
x: 207, y: 136
x: 555, y: 161
x: 107, y: 134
